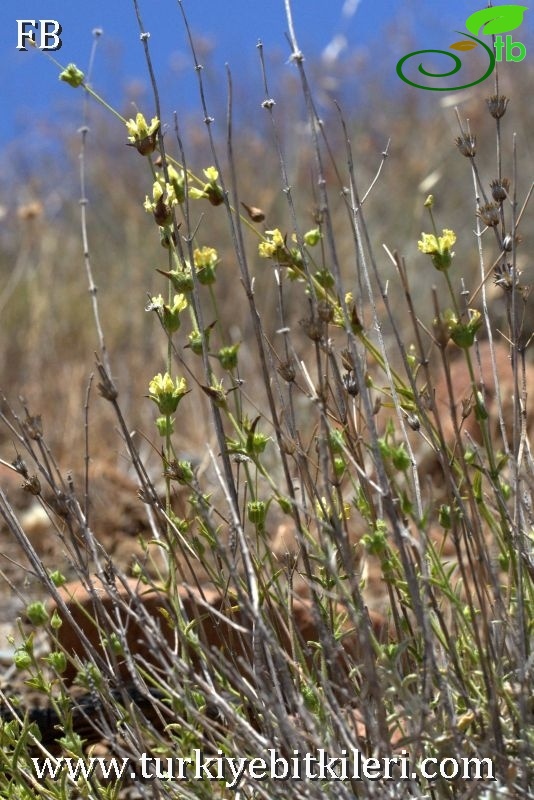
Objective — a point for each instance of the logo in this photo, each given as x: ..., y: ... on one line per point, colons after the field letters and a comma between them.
x: 49, y: 34
x: 493, y: 22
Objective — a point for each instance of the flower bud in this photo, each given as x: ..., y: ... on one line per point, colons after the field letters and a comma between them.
x: 228, y: 356
x: 165, y: 426
x: 57, y: 660
x: 311, y: 238
x: 22, y: 659
x: 257, y: 513
x: 72, y: 75
x: 37, y: 613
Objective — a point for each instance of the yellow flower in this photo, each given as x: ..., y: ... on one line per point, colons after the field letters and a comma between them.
x: 197, y: 194
x: 273, y: 246
x: 177, y: 180
x: 163, y: 200
x: 205, y: 260
x: 438, y: 247
x: 276, y: 237
x: 211, y: 191
x: 179, y: 304
x: 166, y: 393
x: 139, y: 129
x: 205, y: 257
x: 266, y: 249
x: 142, y: 136
x: 211, y: 174
x: 169, y: 314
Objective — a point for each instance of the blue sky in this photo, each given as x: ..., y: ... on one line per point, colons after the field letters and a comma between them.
x: 31, y: 91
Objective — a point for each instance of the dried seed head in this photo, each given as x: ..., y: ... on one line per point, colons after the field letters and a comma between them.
x: 506, y: 276
x: 20, y: 465
x: 106, y: 387
x: 351, y: 384
x: 255, y: 214
x: 167, y: 240
x: 287, y: 370
x: 32, y: 485
x: 413, y: 422
x: 325, y: 310
x: 441, y: 331
x: 313, y: 328
x: 489, y: 214
x: 347, y: 360
x: 467, y: 144
x: 318, y: 216
x: 500, y: 189
x: 162, y: 213
x: 509, y: 241
x: 288, y: 445
x: 33, y: 426
x: 497, y: 104
x: 467, y: 406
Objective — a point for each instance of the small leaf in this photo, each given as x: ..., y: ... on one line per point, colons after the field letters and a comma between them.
x: 499, y: 19
x: 464, y: 44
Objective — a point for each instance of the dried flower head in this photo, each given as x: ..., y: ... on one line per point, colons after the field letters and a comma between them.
x: 489, y: 214
x: 500, y: 189
x: 497, y: 104
x: 350, y: 383
x: 287, y: 370
x: 347, y: 359
x: 325, y: 310
x: 509, y: 241
x: 467, y: 144
x: 505, y: 276
x: 313, y: 327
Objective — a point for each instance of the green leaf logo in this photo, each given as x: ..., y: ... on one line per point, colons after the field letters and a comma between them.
x: 499, y: 19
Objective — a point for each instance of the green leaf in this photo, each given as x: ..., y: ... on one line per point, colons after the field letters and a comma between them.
x: 499, y: 19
